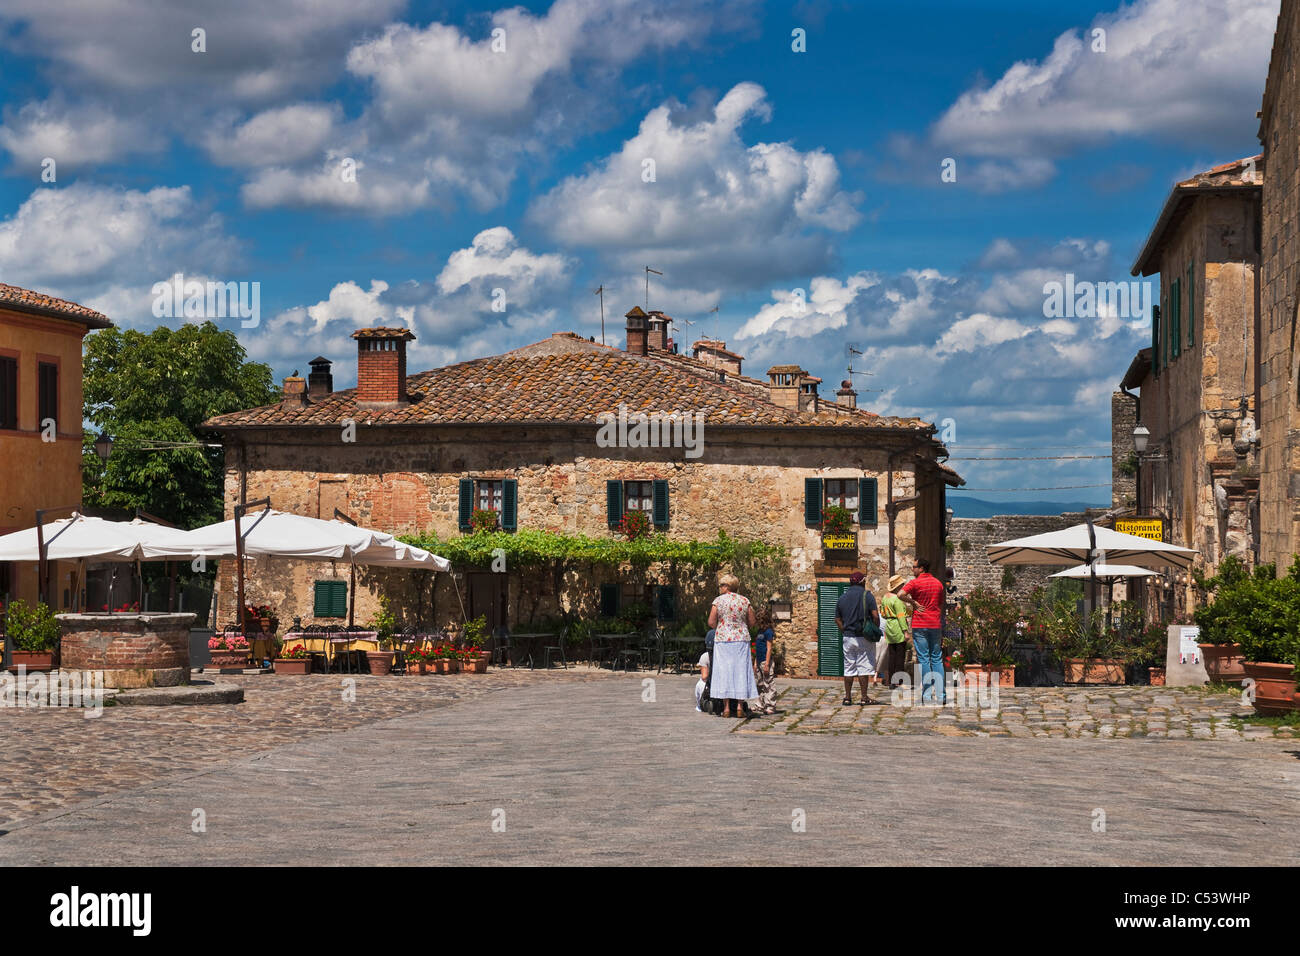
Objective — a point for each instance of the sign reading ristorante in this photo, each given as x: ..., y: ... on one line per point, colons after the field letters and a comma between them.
x: 1152, y: 528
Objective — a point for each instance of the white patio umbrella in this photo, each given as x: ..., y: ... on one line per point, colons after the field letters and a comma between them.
x: 1107, y: 572
x: 1093, y: 546
x: 94, y: 539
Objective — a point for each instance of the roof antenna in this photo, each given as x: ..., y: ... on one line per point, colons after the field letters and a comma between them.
x: 601, y: 292
x: 856, y: 351
x: 714, y: 311
x: 648, y: 270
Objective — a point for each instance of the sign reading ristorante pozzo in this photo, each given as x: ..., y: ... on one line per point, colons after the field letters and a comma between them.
x: 1152, y: 528
x: 839, y: 542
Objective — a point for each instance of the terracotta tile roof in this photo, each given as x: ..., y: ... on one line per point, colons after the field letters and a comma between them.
x: 379, y: 332
x: 565, y: 379
x: 717, y: 347
x: 1224, y: 179
x: 25, y: 300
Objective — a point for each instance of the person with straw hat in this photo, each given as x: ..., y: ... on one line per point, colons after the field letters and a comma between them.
x: 893, y: 611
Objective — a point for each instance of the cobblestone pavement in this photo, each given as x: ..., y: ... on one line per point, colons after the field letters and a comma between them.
x: 57, y: 756
x: 816, y: 707
x: 579, y: 769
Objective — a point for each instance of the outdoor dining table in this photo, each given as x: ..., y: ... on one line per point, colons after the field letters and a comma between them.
x: 327, y: 643
x: 616, y: 643
x: 525, y: 646
x: 687, y: 646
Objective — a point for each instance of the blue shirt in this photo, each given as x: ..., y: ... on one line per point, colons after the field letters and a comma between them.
x: 760, y: 644
x: 849, y: 609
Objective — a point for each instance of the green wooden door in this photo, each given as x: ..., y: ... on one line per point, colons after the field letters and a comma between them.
x: 830, y: 649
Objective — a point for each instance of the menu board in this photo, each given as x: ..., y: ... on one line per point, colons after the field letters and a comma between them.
x: 1188, y: 652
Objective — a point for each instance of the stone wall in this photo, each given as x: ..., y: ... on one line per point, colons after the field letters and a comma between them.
x: 1123, y: 419
x: 971, y: 538
x: 749, y: 483
x: 1279, y: 423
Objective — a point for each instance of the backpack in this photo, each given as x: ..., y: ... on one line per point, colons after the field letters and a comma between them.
x: 870, y: 629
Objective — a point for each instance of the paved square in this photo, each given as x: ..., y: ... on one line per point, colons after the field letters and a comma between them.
x: 578, y: 767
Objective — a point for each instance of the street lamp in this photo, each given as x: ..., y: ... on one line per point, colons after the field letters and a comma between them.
x: 1141, y: 435
x: 103, y: 446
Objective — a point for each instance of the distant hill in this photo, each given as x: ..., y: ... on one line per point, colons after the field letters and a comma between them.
x: 965, y: 507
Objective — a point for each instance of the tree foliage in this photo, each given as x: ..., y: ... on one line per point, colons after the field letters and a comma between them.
x: 159, y: 387
x: 1260, y: 611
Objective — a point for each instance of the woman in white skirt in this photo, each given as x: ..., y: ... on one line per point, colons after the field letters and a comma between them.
x: 733, y: 671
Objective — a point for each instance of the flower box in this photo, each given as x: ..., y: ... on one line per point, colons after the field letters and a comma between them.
x: 293, y: 665
x: 380, y: 662
x: 1094, y: 670
x: 33, y: 661
x: 1156, y: 676
x: 227, y: 660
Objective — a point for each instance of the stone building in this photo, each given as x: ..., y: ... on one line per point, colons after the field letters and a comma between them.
x: 1278, y: 300
x: 521, y: 434
x: 1194, y: 389
x: 40, y: 423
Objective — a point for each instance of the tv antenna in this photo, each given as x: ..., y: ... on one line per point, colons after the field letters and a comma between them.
x: 648, y: 271
x: 856, y: 351
x: 601, y: 292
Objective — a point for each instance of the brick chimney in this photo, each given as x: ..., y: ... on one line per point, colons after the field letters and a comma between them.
x: 846, y: 395
x: 295, y: 392
x: 809, y: 400
x: 658, y: 337
x: 783, y: 383
x: 638, y: 331
x: 713, y: 353
x: 320, y: 383
x: 381, y: 365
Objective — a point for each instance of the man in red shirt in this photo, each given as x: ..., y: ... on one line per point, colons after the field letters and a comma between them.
x: 925, y: 594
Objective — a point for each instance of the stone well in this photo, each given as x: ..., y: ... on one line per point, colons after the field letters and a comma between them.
x: 133, y: 650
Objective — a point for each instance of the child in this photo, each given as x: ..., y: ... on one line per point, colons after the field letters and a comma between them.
x: 703, y: 704
x: 763, y: 638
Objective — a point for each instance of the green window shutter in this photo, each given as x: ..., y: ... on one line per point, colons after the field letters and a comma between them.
x: 1191, y: 306
x: 509, y: 504
x: 609, y: 600
x: 830, y: 648
x: 867, y: 512
x: 1156, y: 313
x: 812, y: 501
x: 614, y: 502
x: 1175, y: 320
x: 330, y: 599
x: 660, y: 503
x: 466, y: 502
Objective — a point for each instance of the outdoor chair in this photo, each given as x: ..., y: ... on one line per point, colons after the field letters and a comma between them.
x: 627, y: 655
x: 558, y: 647
x: 500, y: 647
x: 336, y: 640
x: 670, y: 655
x: 599, y: 651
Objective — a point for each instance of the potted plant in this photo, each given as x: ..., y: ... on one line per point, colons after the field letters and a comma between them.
x: 296, y: 660
x: 1220, y: 650
x: 1262, y: 612
x: 482, y: 520
x: 227, y: 651
x: 476, y: 632
x: 634, y: 524
x: 381, y: 661
x: 987, y: 621
x: 418, y: 660
x: 837, y: 529
x: 35, y: 636
x: 470, y: 662
x: 1090, y: 652
x: 445, y: 654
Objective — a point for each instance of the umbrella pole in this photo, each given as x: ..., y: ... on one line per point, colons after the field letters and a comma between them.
x: 352, y: 605
x: 239, y: 573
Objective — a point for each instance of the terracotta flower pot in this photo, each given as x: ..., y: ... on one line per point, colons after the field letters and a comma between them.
x: 416, y: 667
x: 226, y: 660
x: 476, y: 666
x: 1157, y: 676
x: 1275, y: 688
x: 1006, y: 676
x: 453, y: 667
x: 293, y: 665
x: 381, y: 662
x: 33, y: 661
x: 1098, y: 670
x: 1223, y: 662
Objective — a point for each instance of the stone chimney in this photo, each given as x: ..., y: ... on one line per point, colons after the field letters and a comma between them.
x: 846, y: 395
x: 320, y: 383
x: 381, y: 365
x: 658, y: 337
x: 295, y: 392
x: 783, y: 384
x: 714, y: 353
x: 638, y: 331
x: 809, y: 400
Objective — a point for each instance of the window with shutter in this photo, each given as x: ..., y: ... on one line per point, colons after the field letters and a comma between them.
x: 660, y: 503
x: 830, y: 648
x: 609, y: 600
x: 47, y: 375
x: 614, y: 502
x: 867, y: 511
x: 665, y: 602
x: 330, y: 599
x: 1156, y: 317
x: 1175, y: 320
x: 466, y: 503
x: 1191, y: 306
x: 8, y: 392
x: 509, y: 504
x: 812, y: 501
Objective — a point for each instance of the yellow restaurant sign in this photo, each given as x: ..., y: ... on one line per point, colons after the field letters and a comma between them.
x: 1152, y: 528
x: 840, y: 542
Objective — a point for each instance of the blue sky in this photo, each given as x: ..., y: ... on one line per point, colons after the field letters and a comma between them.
x: 800, y: 192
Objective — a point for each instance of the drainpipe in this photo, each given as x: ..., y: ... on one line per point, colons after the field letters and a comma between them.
x: 1137, y: 417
